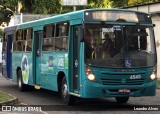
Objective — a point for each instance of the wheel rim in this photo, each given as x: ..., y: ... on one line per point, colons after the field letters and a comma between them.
x: 65, y: 90
x: 19, y: 82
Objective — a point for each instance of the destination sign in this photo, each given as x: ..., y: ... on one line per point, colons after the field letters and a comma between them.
x: 117, y: 16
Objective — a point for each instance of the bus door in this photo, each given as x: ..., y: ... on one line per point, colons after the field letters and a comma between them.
x: 76, y: 58
x: 9, y: 55
x: 6, y: 56
x: 36, y: 57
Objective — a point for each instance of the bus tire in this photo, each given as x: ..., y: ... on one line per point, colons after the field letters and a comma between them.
x: 122, y: 99
x: 21, y: 85
x: 68, y: 99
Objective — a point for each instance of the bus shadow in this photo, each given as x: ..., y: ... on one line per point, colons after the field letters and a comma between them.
x: 100, y: 105
x: 82, y: 104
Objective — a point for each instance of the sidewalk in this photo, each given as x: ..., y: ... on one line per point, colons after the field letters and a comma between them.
x: 12, y: 101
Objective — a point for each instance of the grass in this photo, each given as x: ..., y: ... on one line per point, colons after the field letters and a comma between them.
x: 4, y: 97
x: 158, y: 83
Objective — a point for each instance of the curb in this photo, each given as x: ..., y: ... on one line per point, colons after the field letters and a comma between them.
x: 10, y: 102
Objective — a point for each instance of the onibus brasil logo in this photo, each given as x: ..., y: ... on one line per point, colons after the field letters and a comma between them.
x: 25, y: 69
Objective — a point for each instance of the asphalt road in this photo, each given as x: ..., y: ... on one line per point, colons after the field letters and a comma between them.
x: 53, y: 102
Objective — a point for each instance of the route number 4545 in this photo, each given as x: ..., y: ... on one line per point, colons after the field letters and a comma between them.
x: 135, y: 77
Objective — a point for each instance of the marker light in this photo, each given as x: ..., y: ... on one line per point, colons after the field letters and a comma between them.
x: 90, y: 75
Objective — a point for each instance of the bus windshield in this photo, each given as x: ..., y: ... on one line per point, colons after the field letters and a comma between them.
x: 119, y: 46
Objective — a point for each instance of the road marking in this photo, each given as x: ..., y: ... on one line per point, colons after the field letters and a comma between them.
x: 23, y: 103
x: 44, y: 112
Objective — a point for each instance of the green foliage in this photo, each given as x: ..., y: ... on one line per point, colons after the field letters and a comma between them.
x: 47, y: 7
x: 99, y: 4
x: 125, y: 3
x: 7, y: 8
x: 1, y: 33
x: 137, y: 2
x: 119, y: 3
x: 91, y: 4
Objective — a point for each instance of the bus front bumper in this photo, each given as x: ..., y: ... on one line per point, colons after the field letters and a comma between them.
x: 97, y: 90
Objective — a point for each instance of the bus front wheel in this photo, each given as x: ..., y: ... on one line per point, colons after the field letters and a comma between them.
x: 21, y: 85
x: 122, y: 99
x: 68, y: 99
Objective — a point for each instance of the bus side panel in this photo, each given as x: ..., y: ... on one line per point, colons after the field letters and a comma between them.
x: 16, y: 62
x: 51, y: 64
x: 48, y: 74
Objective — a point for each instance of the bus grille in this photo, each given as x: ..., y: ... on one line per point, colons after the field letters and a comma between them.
x: 120, y: 82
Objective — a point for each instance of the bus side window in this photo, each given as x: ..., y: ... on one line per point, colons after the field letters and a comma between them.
x: 61, y: 39
x: 48, y: 38
x: 17, y: 44
x: 27, y: 40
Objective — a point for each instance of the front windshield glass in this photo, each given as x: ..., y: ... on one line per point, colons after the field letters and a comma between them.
x: 119, y: 46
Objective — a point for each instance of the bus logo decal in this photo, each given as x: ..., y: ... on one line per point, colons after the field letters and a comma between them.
x: 50, y: 62
x: 127, y: 63
x: 123, y: 81
x: 61, y: 63
x: 25, y: 69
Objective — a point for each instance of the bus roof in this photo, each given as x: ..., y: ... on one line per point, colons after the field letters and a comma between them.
x: 10, y: 28
x: 67, y: 16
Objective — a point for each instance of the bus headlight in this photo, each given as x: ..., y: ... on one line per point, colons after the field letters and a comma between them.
x: 90, y: 75
x: 153, y: 76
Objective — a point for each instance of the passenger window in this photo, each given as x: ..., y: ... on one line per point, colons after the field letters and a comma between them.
x: 48, y: 38
x: 61, y: 39
x: 18, y: 41
x: 27, y: 40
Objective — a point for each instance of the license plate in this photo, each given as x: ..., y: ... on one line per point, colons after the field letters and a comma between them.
x: 124, y: 90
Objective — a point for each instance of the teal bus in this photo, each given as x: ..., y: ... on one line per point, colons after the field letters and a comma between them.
x: 92, y: 53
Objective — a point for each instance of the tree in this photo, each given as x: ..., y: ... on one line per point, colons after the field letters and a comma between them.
x: 99, y: 4
x: 5, y: 15
x: 119, y: 3
x: 91, y: 4
x: 47, y: 6
x: 1, y: 33
x: 7, y: 9
x: 137, y: 2
x: 125, y: 3
x: 27, y: 5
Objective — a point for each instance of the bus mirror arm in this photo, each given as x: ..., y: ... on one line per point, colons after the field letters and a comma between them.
x: 154, y: 25
x: 82, y: 37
